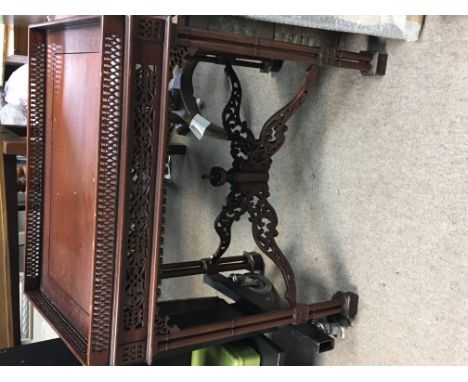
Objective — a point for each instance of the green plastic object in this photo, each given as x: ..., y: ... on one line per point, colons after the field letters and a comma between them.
x: 234, y: 354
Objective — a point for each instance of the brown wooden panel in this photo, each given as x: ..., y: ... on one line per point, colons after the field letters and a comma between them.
x: 144, y: 84
x: 72, y: 182
x: 76, y: 40
x: 74, y: 127
x: 75, y: 88
x: 12, y: 143
x: 6, y: 316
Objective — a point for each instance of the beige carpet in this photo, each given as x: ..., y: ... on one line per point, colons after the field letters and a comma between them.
x: 371, y: 191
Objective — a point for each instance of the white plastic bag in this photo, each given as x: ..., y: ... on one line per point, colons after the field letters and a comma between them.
x: 16, y: 97
x: 12, y: 115
x: 16, y: 88
x: 396, y: 26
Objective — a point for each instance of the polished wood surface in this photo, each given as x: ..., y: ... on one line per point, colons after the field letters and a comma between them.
x: 12, y: 144
x: 72, y: 183
x: 75, y: 86
x: 76, y: 40
x: 6, y: 317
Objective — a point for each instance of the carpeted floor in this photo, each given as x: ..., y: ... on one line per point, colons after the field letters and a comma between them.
x: 371, y: 188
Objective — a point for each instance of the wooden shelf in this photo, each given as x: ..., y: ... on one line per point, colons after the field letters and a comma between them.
x: 23, y: 20
x: 13, y: 144
x: 16, y: 60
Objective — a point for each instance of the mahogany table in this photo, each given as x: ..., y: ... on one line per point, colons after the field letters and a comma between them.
x: 100, y: 117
